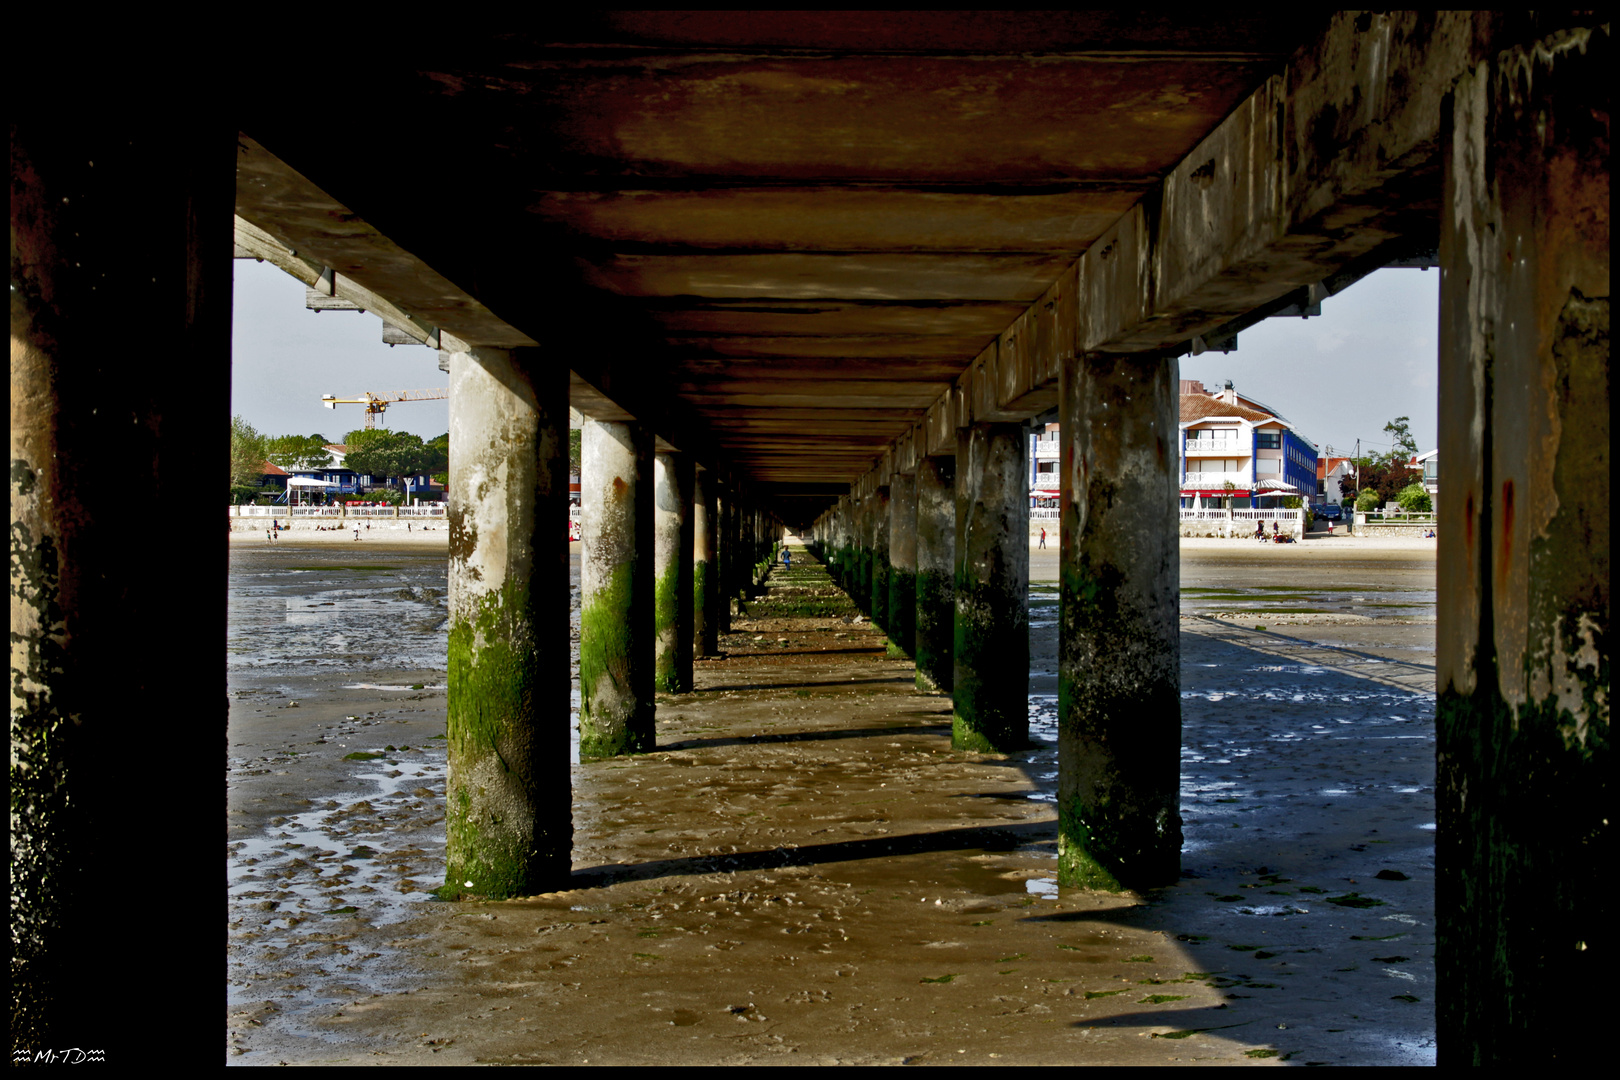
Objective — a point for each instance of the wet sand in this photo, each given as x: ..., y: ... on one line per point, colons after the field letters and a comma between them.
x: 806, y: 873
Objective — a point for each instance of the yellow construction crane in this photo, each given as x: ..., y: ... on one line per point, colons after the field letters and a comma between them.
x: 377, y: 404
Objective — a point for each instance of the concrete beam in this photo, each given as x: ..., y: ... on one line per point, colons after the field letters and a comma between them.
x: 1320, y: 167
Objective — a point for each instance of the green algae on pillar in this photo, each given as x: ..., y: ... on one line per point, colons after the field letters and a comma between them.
x: 902, y: 606
x: 1119, y: 701
x: 1525, y: 839
x: 616, y: 586
x: 990, y: 691
x: 508, y: 827
x: 706, y: 598
x: 934, y: 627
x: 673, y: 539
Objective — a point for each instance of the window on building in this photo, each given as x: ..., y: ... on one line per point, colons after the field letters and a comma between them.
x: 1046, y: 467
x: 1268, y: 440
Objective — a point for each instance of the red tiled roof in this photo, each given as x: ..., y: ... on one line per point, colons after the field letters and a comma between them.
x: 273, y: 470
x: 1199, y: 407
x: 1327, y: 465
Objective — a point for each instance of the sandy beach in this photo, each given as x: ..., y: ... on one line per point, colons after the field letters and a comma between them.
x: 805, y: 872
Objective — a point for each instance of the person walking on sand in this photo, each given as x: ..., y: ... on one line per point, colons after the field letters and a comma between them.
x: 1043, y: 538
x: 357, y: 532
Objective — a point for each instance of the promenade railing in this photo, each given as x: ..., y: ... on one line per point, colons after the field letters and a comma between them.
x: 341, y: 513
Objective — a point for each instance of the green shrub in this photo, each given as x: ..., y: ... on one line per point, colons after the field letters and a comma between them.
x: 1367, y: 500
x: 1414, y: 499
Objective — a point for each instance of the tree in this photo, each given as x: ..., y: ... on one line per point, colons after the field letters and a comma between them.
x: 1381, y: 479
x: 294, y: 452
x: 1402, y: 447
x: 1414, y: 499
x: 387, y: 453
x: 247, y: 453
x: 438, y: 454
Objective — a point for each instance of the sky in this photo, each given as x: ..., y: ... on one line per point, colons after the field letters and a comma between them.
x: 1369, y: 357
x: 284, y: 357
x: 1372, y: 355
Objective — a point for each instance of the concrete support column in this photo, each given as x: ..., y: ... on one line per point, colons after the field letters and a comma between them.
x: 902, y: 607
x: 707, y: 607
x: 1525, y: 810
x: 934, y: 632
x: 725, y: 556
x: 990, y: 691
x: 863, y: 571
x: 1119, y: 652
x: 616, y: 592
x: 673, y: 541
x: 880, y: 559
x: 120, y: 244
x: 508, y: 823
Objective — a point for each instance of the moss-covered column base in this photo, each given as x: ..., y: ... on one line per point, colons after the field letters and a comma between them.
x: 902, y: 606
x: 990, y: 681
x: 934, y: 626
x: 673, y: 540
x: 1119, y: 704
x: 508, y: 827
x: 616, y: 586
x: 1524, y: 851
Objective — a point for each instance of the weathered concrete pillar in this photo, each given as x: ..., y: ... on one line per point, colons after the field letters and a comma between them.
x: 508, y: 824
x: 673, y: 540
x: 902, y: 607
x: 120, y: 241
x: 616, y: 592
x: 707, y: 606
x: 990, y: 691
x: 1119, y: 651
x: 1524, y: 848
x: 934, y: 631
x: 880, y: 559
x: 725, y: 555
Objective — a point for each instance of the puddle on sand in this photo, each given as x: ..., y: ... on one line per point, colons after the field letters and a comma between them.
x: 314, y: 879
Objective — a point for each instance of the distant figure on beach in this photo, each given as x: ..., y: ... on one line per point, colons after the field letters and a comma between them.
x: 1259, y: 530
x: 407, y: 526
x: 1043, y: 538
x: 357, y: 533
x: 267, y: 534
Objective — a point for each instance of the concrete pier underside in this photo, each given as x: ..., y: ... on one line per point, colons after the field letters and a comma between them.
x: 808, y: 252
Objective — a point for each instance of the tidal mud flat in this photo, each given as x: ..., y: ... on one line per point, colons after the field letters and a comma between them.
x: 805, y: 872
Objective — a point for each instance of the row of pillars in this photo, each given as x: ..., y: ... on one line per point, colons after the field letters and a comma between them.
x: 939, y: 560
x: 666, y: 550
x: 121, y: 217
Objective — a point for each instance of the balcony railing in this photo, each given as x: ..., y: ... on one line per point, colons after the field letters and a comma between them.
x: 1217, y: 446
x: 1211, y: 481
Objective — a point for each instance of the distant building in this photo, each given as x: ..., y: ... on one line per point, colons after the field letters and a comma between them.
x: 1237, y: 452
x: 273, y: 477
x: 1045, y: 453
x: 334, y: 471
x: 1430, y: 463
x: 1330, y: 474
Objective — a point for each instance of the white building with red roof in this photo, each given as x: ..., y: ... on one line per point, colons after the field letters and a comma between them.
x: 1236, y: 450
